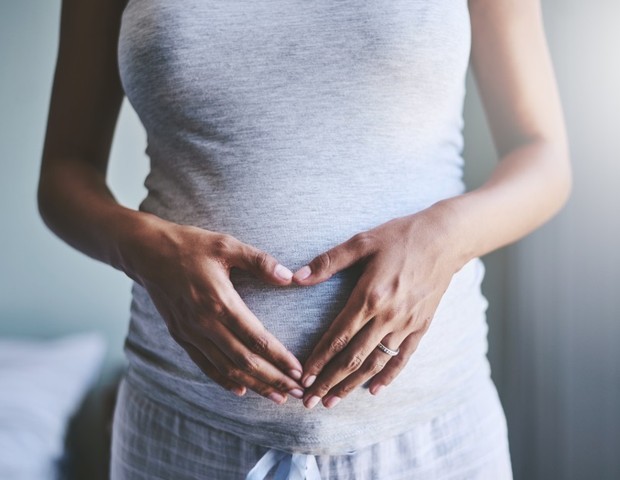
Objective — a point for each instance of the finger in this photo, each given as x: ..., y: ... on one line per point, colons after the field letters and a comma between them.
x: 357, y: 312
x: 250, y: 330
x: 232, y: 372
x: 374, y: 363
x: 335, y: 259
x: 259, y: 263
x: 396, y: 364
x: 209, y: 369
x: 248, y: 362
x: 233, y: 378
x: 345, y: 363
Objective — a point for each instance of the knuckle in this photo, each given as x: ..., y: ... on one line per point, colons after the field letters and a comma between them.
x: 261, y: 260
x: 322, y: 262
x: 397, y: 367
x: 233, y: 373
x: 223, y: 245
x: 280, y: 385
x: 259, y: 343
x: 217, y: 311
x: 354, y: 362
x: 375, y: 367
x: 410, y: 323
x: 373, y: 299
x: 323, y: 389
x: 264, y: 391
x: 338, y: 344
x: 317, y: 365
x: 398, y: 362
x: 344, y: 390
x: 362, y: 242
x: 418, y: 325
x: 391, y: 313
x: 196, y: 296
x: 249, y: 363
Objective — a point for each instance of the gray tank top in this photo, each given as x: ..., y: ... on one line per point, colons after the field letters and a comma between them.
x: 292, y: 125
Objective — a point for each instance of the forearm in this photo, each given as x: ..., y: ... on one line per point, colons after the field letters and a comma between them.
x: 529, y: 186
x: 76, y: 204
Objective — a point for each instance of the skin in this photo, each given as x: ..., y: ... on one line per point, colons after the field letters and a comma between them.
x: 408, y: 262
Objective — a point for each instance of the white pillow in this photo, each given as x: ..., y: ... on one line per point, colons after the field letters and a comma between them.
x: 42, y: 383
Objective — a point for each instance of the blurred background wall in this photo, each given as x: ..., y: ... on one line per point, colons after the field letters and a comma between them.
x: 555, y: 297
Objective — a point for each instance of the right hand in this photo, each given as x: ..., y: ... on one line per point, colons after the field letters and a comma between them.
x: 186, y: 271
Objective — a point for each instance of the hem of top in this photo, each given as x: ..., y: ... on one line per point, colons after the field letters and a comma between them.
x: 339, y: 444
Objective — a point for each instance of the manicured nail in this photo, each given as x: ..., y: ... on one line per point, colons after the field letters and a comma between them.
x: 376, y: 390
x: 283, y: 272
x: 303, y: 273
x: 276, y: 397
x: 309, y: 381
x: 312, y: 401
x: 296, y: 374
x: 332, y: 401
x: 297, y: 393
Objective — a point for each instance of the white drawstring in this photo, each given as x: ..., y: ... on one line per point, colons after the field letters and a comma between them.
x: 291, y: 466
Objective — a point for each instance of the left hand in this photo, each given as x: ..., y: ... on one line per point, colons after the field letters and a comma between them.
x: 408, y: 264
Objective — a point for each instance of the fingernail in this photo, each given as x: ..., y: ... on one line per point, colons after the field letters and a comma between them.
x: 297, y: 393
x: 312, y: 401
x: 309, y: 381
x: 376, y: 390
x: 283, y: 272
x: 239, y: 391
x: 276, y: 397
x: 296, y: 374
x: 303, y: 273
x: 332, y: 401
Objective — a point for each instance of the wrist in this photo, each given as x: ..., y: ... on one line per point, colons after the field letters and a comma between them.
x: 450, y: 222
x: 138, y: 234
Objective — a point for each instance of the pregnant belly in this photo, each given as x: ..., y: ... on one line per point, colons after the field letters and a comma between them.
x: 296, y: 315
x: 450, y: 356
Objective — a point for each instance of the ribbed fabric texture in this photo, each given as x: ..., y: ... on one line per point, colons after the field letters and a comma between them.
x: 293, y: 125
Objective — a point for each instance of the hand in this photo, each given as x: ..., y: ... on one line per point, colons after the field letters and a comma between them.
x: 407, y: 266
x: 186, y: 271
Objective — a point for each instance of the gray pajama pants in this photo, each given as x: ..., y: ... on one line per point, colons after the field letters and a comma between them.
x: 152, y: 441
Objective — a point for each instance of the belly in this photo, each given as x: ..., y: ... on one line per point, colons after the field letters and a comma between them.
x: 295, y: 211
x: 297, y: 315
x: 450, y: 360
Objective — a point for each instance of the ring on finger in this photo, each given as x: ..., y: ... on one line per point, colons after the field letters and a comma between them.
x: 389, y: 351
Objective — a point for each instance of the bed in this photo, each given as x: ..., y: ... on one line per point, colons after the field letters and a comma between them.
x: 56, y: 408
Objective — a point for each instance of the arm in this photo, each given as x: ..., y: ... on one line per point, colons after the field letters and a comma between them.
x: 514, y: 74
x: 417, y: 255
x: 184, y: 269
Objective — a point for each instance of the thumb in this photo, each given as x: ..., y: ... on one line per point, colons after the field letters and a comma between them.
x: 333, y: 260
x: 260, y: 264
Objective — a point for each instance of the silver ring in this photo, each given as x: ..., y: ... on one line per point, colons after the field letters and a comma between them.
x: 384, y: 349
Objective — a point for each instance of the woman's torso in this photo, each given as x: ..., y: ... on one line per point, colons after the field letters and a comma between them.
x: 293, y: 125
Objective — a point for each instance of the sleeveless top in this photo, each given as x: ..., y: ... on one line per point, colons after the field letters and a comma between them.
x: 292, y: 125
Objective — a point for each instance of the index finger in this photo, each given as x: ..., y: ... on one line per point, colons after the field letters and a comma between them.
x: 356, y: 313
x: 252, y: 333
